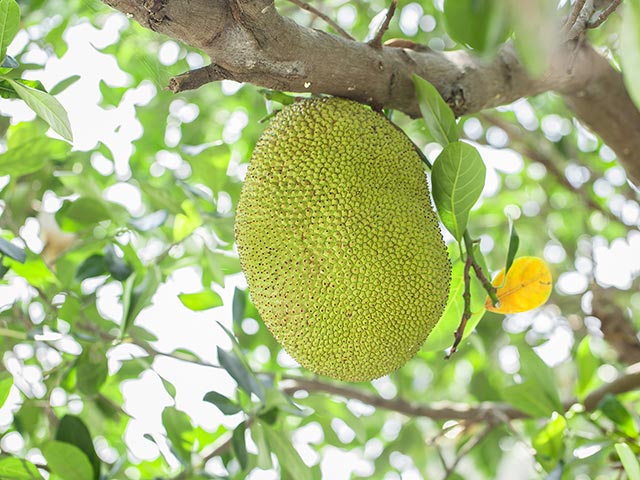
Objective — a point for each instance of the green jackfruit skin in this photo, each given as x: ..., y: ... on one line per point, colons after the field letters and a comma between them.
x: 339, y: 242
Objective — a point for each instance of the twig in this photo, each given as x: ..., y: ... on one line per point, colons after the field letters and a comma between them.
x: 224, y: 446
x: 328, y: 20
x: 482, y: 412
x: 465, y: 450
x: 604, y: 14
x: 575, y: 11
x: 581, y: 21
x: 376, y: 41
x: 466, y: 315
x: 488, y: 286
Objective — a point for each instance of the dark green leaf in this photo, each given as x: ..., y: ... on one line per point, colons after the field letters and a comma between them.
x: 178, y: 425
x: 72, y: 429
x: 514, y: 243
x: 67, y: 461
x: 629, y: 461
x: 12, y: 468
x: 240, y: 373
x: 224, y: 404
x: 288, y: 457
x: 619, y: 415
x: 239, y: 445
x: 550, y: 442
x: 437, y: 115
x: 481, y: 24
x: 12, y: 251
x: 149, y: 222
x: 6, y: 382
x: 458, y: 179
x: 93, y: 266
x: 137, y: 295
x: 238, y: 307
x: 92, y: 369
x: 9, y: 62
x: 116, y: 265
x: 62, y: 85
x: 7, y: 90
x: 46, y: 107
x: 200, y: 301
x: 9, y: 23
x: 87, y: 211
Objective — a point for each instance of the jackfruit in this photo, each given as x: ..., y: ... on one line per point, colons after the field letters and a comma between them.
x: 338, y: 240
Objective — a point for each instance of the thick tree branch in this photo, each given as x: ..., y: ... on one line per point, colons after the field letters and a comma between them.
x: 490, y: 412
x: 249, y: 41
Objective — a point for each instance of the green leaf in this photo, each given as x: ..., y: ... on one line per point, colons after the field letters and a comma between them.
x: 481, y: 24
x: 93, y: 266
x: 264, y: 452
x: 523, y: 397
x: 87, y: 211
x: 12, y: 251
x: 224, y: 404
x: 185, y: 223
x: 92, y: 369
x: 587, y: 365
x: 62, y: 85
x: 67, y: 461
x: 31, y: 155
x: 240, y: 373
x: 280, y: 97
x: 72, y: 429
x: 514, y: 243
x: 9, y: 62
x: 116, y: 265
x: 12, y: 468
x: 437, y: 115
x: 549, y: 442
x: 238, y: 307
x: 441, y: 337
x: 178, y: 425
x: 629, y: 461
x: 9, y: 24
x: 6, y: 382
x: 239, y: 445
x: 288, y: 457
x: 630, y: 49
x: 137, y: 294
x: 200, y: 301
x: 46, y: 107
x: 458, y: 179
x: 168, y: 386
x: 619, y: 415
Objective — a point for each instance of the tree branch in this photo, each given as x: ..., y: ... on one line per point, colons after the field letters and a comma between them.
x: 490, y: 412
x: 250, y: 42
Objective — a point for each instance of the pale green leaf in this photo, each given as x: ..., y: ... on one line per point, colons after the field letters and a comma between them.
x: 201, y: 300
x: 457, y: 181
x: 629, y: 461
x: 630, y: 49
x: 67, y: 461
x: 437, y: 115
x: 46, y: 107
x: 9, y: 24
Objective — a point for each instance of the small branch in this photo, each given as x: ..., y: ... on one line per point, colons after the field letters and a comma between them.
x: 196, y: 78
x: 488, y: 286
x: 319, y: 14
x: 605, y: 14
x: 466, y: 315
x: 573, y: 16
x: 465, y: 450
x: 581, y: 21
x: 491, y: 412
x: 376, y: 41
x: 225, y: 446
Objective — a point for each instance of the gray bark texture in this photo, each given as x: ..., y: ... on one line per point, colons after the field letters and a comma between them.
x: 248, y: 41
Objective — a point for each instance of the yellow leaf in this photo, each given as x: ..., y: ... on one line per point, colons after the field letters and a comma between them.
x: 527, y: 286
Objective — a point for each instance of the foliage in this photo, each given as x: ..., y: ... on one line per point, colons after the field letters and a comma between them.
x: 118, y: 259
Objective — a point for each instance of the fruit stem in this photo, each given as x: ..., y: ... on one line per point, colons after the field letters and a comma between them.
x: 491, y: 290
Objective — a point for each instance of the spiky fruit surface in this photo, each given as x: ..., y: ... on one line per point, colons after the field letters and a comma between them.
x: 339, y: 242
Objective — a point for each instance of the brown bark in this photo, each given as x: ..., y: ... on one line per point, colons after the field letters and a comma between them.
x: 617, y: 329
x: 249, y: 41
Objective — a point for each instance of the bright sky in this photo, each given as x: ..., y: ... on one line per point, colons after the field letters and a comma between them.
x: 178, y: 327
